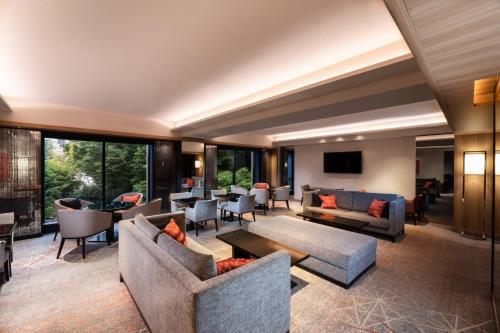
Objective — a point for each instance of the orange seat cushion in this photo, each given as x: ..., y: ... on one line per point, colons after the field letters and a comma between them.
x: 173, y: 230
x: 227, y: 265
x: 131, y: 198
x: 328, y: 201
x: 190, y: 182
x: 261, y: 185
x: 376, y: 208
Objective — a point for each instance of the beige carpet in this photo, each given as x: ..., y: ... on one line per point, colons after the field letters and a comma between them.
x: 431, y: 281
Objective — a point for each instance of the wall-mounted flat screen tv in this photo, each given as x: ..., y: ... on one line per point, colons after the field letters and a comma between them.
x: 342, y: 162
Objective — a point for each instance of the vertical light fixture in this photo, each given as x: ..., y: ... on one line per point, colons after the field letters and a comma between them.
x: 475, y: 165
x: 197, y: 164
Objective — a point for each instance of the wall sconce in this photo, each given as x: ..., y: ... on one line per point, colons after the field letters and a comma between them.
x: 497, y: 163
x: 475, y: 164
x: 197, y: 164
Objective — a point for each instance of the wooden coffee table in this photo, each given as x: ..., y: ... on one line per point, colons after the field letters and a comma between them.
x: 246, y: 244
x: 333, y: 221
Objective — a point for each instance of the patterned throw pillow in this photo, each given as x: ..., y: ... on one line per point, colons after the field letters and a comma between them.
x: 376, y: 208
x: 173, y: 230
x: 328, y: 201
x: 227, y: 265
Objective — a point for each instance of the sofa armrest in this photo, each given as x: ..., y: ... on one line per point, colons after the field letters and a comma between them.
x: 251, y: 298
x: 397, y: 215
x: 307, y: 199
x: 161, y: 220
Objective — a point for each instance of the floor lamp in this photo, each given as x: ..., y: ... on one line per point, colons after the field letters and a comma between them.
x: 474, y: 164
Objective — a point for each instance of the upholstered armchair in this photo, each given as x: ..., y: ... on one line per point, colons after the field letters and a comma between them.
x: 203, y: 211
x: 282, y: 194
x: 120, y: 197
x: 261, y: 198
x: 80, y: 224
x: 245, y: 204
x: 414, y: 208
x: 221, y: 202
x: 8, y: 218
x: 146, y: 209
x: 197, y: 192
x: 238, y: 189
x: 5, y: 261
x: 59, y: 206
x: 174, y: 206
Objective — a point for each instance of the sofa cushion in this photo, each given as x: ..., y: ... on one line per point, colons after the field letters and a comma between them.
x: 336, y: 212
x: 381, y: 222
x: 361, y: 200
x: 173, y: 230
x: 202, y: 265
x: 226, y: 265
x: 146, y: 227
x: 195, y: 246
x: 376, y: 208
x: 328, y: 201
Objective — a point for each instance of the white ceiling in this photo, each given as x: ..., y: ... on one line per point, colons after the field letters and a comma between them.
x: 176, y: 60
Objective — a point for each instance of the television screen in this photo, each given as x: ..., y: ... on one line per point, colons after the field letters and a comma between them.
x: 342, y: 162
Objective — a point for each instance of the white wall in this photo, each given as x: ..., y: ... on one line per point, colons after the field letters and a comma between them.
x: 388, y: 166
x: 431, y: 162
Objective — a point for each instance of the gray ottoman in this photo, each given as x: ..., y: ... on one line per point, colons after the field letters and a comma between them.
x: 338, y: 255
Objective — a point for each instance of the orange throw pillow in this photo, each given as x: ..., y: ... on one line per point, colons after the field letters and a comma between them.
x: 190, y: 182
x: 131, y: 198
x: 173, y: 230
x: 376, y: 208
x: 328, y: 201
x: 227, y: 265
x: 261, y: 185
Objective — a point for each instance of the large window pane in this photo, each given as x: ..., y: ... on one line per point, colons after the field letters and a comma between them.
x: 243, y: 168
x: 225, y: 166
x: 72, y: 169
x: 126, y: 169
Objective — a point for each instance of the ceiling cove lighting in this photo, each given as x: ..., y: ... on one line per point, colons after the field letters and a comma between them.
x: 430, y: 119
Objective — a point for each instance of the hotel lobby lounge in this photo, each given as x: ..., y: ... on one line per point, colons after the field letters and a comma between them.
x: 266, y: 166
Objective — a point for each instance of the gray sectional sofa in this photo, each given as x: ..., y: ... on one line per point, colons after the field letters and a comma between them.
x: 338, y: 255
x: 354, y: 205
x: 171, y: 298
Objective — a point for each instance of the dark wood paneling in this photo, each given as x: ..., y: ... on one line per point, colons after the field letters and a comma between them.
x: 167, y: 171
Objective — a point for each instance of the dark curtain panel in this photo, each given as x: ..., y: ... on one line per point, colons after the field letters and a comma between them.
x: 210, y: 169
x: 167, y: 171
x: 20, y: 178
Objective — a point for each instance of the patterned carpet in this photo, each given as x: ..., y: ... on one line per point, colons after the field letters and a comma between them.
x: 431, y: 281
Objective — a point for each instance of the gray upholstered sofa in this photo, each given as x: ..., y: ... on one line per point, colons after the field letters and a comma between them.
x: 354, y: 205
x: 251, y: 298
x: 340, y: 256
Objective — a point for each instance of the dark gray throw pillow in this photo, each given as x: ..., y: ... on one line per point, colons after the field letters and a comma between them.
x: 71, y: 203
x: 316, y: 200
x: 385, y: 211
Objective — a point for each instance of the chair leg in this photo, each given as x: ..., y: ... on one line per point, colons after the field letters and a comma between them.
x: 253, y: 214
x: 60, y: 247
x: 265, y: 210
x: 239, y: 219
x: 6, y: 270
x: 83, y: 248
x: 301, y: 201
x: 55, y: 235
x: 287, y: 205
x: 78, y: 242
x: 196, y: 228
x: 221, y: 213
x: 273, y: 205
x: 216, y: 227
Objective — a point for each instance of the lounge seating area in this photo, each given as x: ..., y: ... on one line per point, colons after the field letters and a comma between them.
x: 249, y: 166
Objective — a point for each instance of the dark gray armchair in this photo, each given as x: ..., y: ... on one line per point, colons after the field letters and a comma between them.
x: 282, y: 194
x: 203, y: 211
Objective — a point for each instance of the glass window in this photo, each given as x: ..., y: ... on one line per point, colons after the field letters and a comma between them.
x: 73, y: 169
x: 225, y: 166
x: 126, y: 169
x: 234, y: 167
